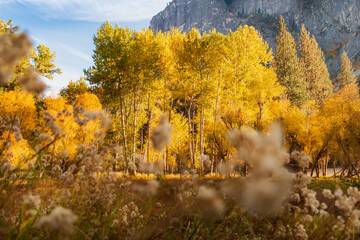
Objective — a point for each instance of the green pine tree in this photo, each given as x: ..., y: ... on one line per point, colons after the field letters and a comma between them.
x: 287, y: 66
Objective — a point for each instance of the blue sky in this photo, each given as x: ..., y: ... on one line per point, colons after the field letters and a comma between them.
x: 68, y: 26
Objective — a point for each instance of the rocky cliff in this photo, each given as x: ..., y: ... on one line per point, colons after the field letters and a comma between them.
x: 334, y: 23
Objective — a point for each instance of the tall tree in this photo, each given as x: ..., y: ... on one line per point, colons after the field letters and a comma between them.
x: 346, y: 75
x: 251, y: 81
x: 287, y: 66
x: 110, y: 75
x: 314, y: 67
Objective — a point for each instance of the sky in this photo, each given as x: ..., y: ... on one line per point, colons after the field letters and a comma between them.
x: 68, y: 27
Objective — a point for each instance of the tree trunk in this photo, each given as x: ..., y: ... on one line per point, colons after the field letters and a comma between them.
x: 123, y: 128
x: 348, y: 158
x: 190, y: 141
x: 167, y: 147
x: 202, y: 130
x: 215, y: 119
x: 148, y: 132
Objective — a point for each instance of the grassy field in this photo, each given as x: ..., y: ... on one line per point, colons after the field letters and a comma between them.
x: 162, y: 208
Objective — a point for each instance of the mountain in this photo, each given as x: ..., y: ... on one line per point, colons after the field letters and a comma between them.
x: 334, y: 23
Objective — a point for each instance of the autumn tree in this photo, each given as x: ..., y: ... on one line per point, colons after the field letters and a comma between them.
x: 334, y: 121
x: 7, y: 27
x: 43, y: 61
x: 111, y: 74
x: 314, y: 67
x: 347, y: 74
x: 19, y: 104
x: 40, y: 59
x: 75, y: 131
x: 288, y: 69
x: 251, y: 81
x: 125, y: 68
x: 19, y: 150
x: 73, y: 90
x: 89, y: 101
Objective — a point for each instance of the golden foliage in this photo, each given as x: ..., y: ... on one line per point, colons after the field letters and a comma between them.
x: 19, y: 152
x: 19, y: 104
x: 89, y: 101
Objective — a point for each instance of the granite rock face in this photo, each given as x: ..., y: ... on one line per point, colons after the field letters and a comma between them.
x: 334, y: 23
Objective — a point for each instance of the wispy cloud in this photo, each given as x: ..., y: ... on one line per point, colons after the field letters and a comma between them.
x: 36, y: 40
x: 94, y: 10
x: 61, y: 81
x: 75, y: 52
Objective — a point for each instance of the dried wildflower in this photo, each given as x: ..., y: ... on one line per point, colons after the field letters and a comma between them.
x: 354, y: 218
x: 150, y: 188
x: 30, y: 81
x: 32, y: 200
x: 5, y: 75
x: 99, y: 134
x: 203, y: 158
x: 13, y: 177
x: 161, y: 135
x: 56, y: 170
x: 67, y: 176
x: 16, y: 121
x: 323, y: 206
x: 45, y: 137
x: 30, y: 212
x: 150, y: 167
x: 327, y: 194
x: 132, y: 166
x: 80, y: 110
x: 354, y: 192
x: 244, y: 139
x: 6, y: 144
x: 13, y: 48
x: 105, y: 120
x: 300, y: 232
x: 338, y: 193
x: 310, y: 200
x: 264, y: 195
x: 113, y: 176
x: 60, y: 220
x: 300, y: 158
x: 302, y: 180
x: 54, y: 128
x: 345, y: 203
x: 209, y: 202
x: 324, y: 214
x: 308, y: 218
x: 6, y: 118
x: 125, y: 184
x: 269, y: 183
x: 138, y: 158
x: 280, y: 232
x: 225, y: 168
x: 7, y: 167
x: 295, y: 198
x: 339, y: 225
x: 18, y: 136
